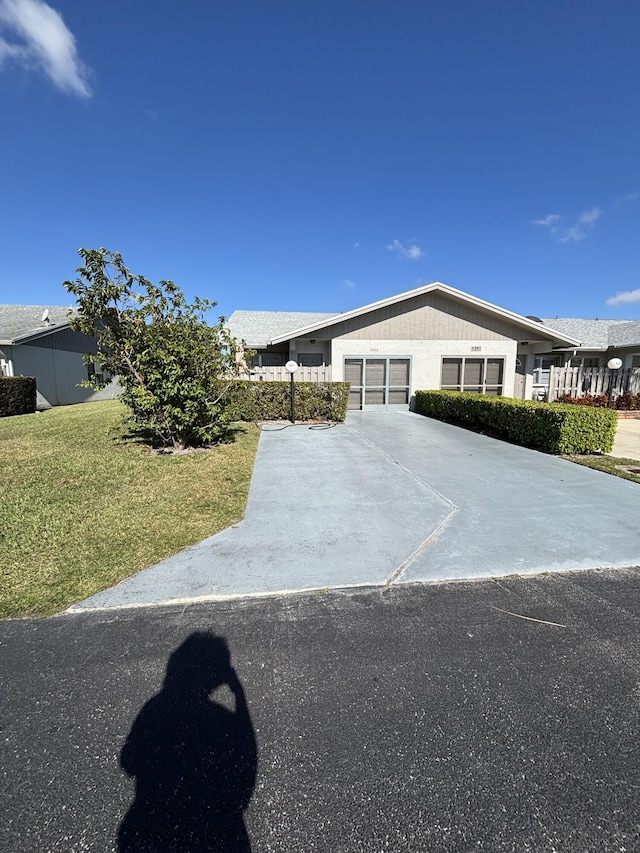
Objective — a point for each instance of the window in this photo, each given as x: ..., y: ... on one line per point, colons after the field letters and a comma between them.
x: 585, y: 362
x: 93, y: 372
x: 398, y: 381
x: 310, y: 359
x: 474, y: 375
x: 269, y: 359
x: 377, y: 381
x: 542, y: 365
x: 544, y: 362
x: 353, y: 373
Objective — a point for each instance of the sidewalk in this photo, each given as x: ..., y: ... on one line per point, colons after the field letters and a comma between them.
x: 627, y: 443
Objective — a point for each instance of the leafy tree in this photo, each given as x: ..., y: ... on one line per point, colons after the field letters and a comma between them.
x: 173, y: 367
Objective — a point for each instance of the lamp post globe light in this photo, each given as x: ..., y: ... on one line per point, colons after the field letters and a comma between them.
x: 613, y: 364
x: 291, y: 367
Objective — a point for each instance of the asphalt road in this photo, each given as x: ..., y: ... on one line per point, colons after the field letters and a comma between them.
x: 415, y: 718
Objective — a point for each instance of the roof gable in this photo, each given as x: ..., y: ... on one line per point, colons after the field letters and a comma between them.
x: 522, y: 322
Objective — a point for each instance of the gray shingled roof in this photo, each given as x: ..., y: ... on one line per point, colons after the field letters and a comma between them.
x: 258, y: 327
x: 16, y: 321
x: 625, y: 334
x: 598, y: 334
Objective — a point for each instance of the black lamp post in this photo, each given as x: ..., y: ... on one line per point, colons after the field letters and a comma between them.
x: 613, y: 364
x: 291, y: 367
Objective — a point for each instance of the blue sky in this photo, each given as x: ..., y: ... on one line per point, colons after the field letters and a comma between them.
x: 317, y: 155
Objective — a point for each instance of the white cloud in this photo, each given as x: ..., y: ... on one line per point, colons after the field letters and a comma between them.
x: 355, y: 245
x: 626, y: 199
x: 579, y: 231
x: 588, y: 217
x: 349, y: 284
x: 412, y: 252
x: 573, y: 233
x: 548, y: 221
x: 625, y: 296
x: 42, y: 40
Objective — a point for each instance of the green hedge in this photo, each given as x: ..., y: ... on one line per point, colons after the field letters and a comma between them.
x: 271, y: 401
x: 550, y: 427
x: 17, y: 395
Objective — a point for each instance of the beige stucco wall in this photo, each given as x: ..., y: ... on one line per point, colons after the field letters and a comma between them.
x: 426, y: 357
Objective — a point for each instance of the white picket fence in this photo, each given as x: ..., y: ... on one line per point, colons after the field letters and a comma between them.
x: 302, y: 374
x: 578, y: 381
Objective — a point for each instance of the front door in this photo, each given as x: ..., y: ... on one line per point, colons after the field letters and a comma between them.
x: 378, y: 381
x: 521, y: 372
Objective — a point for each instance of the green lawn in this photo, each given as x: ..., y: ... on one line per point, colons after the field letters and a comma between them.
x: 80, y: 509
x: 610, y: 465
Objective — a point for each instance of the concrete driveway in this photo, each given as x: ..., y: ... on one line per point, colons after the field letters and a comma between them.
x: 390, y: 498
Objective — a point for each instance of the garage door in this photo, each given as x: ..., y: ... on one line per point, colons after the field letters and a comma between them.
x: 378, y: 382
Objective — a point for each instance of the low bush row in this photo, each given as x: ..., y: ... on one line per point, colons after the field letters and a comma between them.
x: 17, y: 395
x: 271, y: 401
x: 550, y: 427
x: 246, y: 401
x: 623, y: 402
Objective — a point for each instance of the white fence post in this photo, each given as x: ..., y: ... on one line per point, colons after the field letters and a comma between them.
x: 303, y: 374
x: 577, y: 381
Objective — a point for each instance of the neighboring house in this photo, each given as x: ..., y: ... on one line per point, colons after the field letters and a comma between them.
x: 432, y: 337
x: 600, y: 340
x: 36, y: 340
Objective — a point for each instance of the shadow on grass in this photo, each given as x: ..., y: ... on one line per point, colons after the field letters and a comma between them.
x: 126, y: 433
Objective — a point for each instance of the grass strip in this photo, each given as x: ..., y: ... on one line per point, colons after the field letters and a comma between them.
x: 609, y: 464
x: 82, y: 509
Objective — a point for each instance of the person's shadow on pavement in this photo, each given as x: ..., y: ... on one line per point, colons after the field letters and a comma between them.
x: 194, y: 761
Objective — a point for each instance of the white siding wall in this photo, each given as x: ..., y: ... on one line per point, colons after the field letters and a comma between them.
x: 426, y: 357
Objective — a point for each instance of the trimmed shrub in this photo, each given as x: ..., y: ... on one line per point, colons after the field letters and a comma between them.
x: 271, y: 401
x: 623, y: 402
x: 550, y: 427
x: 627, y: 401
x: 17, y: 395
x: 598, y: 401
